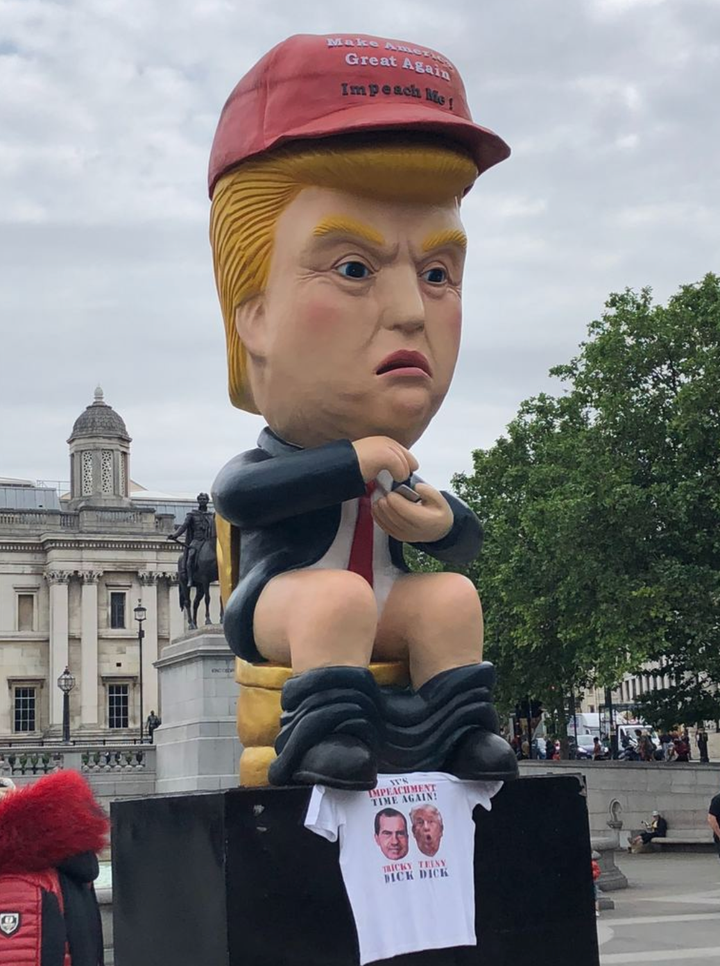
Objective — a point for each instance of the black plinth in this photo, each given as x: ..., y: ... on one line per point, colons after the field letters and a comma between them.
x: 233, y: 879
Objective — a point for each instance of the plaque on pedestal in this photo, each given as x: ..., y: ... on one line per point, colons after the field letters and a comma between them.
x: 233, y: 878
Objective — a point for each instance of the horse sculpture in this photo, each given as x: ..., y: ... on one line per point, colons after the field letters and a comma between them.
x: 197, y: 567
x: 206, y: 573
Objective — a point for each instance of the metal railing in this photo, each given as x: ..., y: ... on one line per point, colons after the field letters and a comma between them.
x: 17, y: 744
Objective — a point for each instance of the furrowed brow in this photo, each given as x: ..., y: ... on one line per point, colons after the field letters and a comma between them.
x: 443, y: 239
x: 349, y: 226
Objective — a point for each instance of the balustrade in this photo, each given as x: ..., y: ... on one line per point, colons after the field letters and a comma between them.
x: 120, y: 759
x: 30, y: 762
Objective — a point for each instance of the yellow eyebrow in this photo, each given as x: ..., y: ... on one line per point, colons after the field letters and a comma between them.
x: 441, y: 239
x: 348, y: 226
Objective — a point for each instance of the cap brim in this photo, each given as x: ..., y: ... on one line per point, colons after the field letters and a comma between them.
x: 484, y: 146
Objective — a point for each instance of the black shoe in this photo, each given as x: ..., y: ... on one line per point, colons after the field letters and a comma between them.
x: 482, y: 756
x: 338, y: 761
x: 330, y: 730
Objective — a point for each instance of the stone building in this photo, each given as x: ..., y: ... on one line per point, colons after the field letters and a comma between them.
x: 72, y: 568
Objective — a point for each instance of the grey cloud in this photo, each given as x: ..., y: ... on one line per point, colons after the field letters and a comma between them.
x: 106, y: 120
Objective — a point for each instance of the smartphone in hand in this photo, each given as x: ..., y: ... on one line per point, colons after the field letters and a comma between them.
x: 404, y: 489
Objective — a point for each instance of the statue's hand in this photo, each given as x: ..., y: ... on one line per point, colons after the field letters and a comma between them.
x: 171, y: 536
x: 423, y: 522
x: 377, y: 453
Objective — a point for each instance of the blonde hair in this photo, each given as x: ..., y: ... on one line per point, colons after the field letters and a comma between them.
x: 249, y: 200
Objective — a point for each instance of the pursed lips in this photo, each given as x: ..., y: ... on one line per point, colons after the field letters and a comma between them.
x: 404, y: 360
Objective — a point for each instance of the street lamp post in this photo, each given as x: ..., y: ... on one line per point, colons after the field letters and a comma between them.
x: 612, y: 730
x: 66, y: 682
x: 530, y: 729
x: 140, y: 615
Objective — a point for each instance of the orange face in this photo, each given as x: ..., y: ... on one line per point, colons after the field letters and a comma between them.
x: 358, y: 329
x: 427, y: 829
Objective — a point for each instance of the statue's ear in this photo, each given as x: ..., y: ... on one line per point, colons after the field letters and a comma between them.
x: 250, y: 325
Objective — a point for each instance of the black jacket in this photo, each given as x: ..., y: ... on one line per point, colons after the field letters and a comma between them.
x: 286, y: 501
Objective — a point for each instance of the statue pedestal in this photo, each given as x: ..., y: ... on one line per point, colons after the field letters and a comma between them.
x: 197, y: 745
x: 233, y: 879
x: 611, y: 877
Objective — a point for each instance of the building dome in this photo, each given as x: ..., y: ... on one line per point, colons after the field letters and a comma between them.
x: 99, y: 457
x: 99, y: 419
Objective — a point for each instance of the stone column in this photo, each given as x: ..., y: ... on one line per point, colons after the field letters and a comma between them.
x: 59, y: 651
x: 89, y: 649
x: 148, y: 587
x: 177, y: 618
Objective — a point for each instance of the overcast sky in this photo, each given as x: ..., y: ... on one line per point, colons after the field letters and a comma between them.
x: 107, y: 112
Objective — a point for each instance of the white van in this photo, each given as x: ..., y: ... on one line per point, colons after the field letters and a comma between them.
x: 587, y: 723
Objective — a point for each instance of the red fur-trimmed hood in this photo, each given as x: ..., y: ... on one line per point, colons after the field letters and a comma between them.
x: 49, y: 821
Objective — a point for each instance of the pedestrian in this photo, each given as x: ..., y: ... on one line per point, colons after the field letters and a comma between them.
x: 50, y: 832
x: 714, y: 820
x: 647, y: 748
x: 153, y: 722
x: 665, y: 742
x: 682, y: 750
x: 596, y: 875
x: 702, y: 743
x: 656, y: 829
x: 686, y: 739
x: 598, y: 752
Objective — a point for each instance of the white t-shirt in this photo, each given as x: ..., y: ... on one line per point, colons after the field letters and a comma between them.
x: 406, y: 857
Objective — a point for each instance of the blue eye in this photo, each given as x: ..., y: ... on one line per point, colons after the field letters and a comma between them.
x: 353, y: 270
x: 435, y: 276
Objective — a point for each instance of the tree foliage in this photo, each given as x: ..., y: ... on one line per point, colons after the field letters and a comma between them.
x: 601, y: 506
x: 690, y: 701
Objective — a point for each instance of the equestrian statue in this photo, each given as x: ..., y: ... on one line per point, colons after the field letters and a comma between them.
x: 197, y: 566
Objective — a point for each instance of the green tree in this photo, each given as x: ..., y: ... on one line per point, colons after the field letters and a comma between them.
x: 601, y: 507
x: 690, y: 701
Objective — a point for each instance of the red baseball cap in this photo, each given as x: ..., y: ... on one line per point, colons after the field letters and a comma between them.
x: 317, y: 86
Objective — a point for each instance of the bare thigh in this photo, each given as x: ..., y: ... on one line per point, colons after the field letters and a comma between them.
x: 432, y: 620
x: 316, y: 618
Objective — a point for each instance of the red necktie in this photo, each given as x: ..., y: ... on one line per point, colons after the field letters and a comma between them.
x: 361, y: 552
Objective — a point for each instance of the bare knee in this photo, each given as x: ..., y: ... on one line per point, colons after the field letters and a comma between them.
x: 453, y: 595
x: 335, y: 622
x: 317, y: 618
x: 339, y: 595
x: 449, y: 632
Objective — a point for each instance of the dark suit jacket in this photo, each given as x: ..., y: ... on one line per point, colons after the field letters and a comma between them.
x: 286, y: 501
